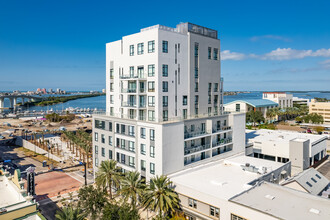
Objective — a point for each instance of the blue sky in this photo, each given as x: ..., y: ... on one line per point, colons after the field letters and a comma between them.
x: 266, y: 45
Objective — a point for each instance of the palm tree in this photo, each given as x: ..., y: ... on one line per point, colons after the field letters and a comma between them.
x: 108, y: 175
x: 131, y: 188
x: 69, y: 213
x: 160, y: 196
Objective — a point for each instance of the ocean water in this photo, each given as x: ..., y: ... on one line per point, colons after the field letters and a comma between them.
x: 99, y: 102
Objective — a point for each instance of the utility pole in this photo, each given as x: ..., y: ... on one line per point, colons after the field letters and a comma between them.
x: 85, y: 169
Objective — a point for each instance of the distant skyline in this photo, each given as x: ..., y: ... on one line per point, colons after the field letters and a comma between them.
x: 265, y: 45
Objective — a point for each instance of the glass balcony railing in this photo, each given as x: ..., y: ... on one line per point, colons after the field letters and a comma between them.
x: 194, y: 134
x: 128, y: 90
x: 190, y: 150
x: 128, y: 77
x: 223, y: 141
x: 128, y: 104
x: 223, y: 128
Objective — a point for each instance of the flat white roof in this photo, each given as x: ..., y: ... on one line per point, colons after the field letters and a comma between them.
x: 284, y: 203
x: 9, y: 195
x: 280, y: 136
x: 220, y: 179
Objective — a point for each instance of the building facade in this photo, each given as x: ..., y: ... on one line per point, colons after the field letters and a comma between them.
x: 283, y: 99
x: 320, y: 108
x: 164, y: 109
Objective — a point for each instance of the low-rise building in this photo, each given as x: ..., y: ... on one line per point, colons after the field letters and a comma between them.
x: 247, y: 105
x: 283, y: 99
x: 271, y: 201
x: 205, y: 191
x: 304, y: 150
x: 321, y: 108
x: 300, y: 101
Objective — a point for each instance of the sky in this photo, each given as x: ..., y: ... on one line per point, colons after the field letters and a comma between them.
x: 265, y: 45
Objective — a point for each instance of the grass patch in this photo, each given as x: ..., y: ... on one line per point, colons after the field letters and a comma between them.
x: 41, y: 216
x: 37, y: 156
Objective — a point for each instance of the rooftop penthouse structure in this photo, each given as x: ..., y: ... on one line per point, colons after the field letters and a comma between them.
x: 164, y: 102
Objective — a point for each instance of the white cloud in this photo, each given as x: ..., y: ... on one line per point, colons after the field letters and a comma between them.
x: 271, y: 37
x: 326, y: 64
x: 278, y: 54
x: 228, y: 55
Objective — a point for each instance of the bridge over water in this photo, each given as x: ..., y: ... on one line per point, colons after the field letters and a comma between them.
x: 13, y: 99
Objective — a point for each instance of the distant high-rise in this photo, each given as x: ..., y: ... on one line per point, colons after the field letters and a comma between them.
x: 164, y: 108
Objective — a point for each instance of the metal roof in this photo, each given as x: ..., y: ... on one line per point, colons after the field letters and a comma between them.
x: 256, y: 102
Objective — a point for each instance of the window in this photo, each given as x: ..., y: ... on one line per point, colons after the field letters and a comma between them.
x: 196, y: 86
x: 131, y: 71
x: 99, y: 124
x: 140, y: 48
x: 152, y: 151
x: 140, y: 71
x: 152, y: 134
x: 165, y: 86
x: 238, y: 107
x: 236, y: 217
x: 102, y: 151
x: 111, y: 87
x: 131, y: 161
x: 216, y: 99
x: 131, y: 131
x: 103, y: 138
x: 110, y: 154
x: 143, y: 165
x: 152, y: 168
x: 96, y: 136
x: 151, y: 86
x: 111, y: 99
x: 185, y: 114
x: 314, y: 180
x: 143, y: 149
x: 151, y: 70
x: 196, y: 99
x: 165, y: 115
x: 209, y: 110
x: 308, y: 183
x: 96, y: 161
x: 185, y: 100
x: 209, y: 53
x: 165, y: 70
x: 96, y: 149
x: 209, y: 100
x: 318, y: 176
x: 151, y: 115
x: 165, y: 101
x: 110, y: 140
x: 215, y: 54
x: 216, y: 87
x: 196, y: 111
x: 123, y: 129
x: 165, y: 46
x: 196, y: 49
x: 218, y: 125
x: 192, y: 203
x: 151, y: 101
x: 143, y: 133
x: 192, y: 128
x: 196, y: 72
x: 111, y: 74
x: 210, y: 87
x: 131, y: 50
x: 192, y: 143
x: 151, y: 46
x: 131, y: 146
x: 214, y: 211
x: 123, y: 143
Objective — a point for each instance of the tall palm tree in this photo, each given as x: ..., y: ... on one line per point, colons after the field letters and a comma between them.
x: 160, y: 196
x: 69, y: 213
x: 132, y: 188
x: 108, y: 175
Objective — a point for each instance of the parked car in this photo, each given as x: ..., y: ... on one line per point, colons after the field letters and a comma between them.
x: 2, y: 137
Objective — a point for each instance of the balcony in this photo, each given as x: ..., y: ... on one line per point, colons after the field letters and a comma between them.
x: 142, y: 90
x: 128, y: 77
x: 223, y: 142
x: 224, y: 128
x: 128, y: 90
x: 126, y: 148
x: 151, y: 90
x: 190, y: 150
x: 195, y: 134
x: 128, y: 104
x: 142, y: 105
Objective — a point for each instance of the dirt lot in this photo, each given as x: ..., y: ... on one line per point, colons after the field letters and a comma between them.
x: 289, y: 128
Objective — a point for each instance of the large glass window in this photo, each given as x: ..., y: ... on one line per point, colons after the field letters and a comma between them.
x: 216, y: 87
x: 96, y: 136
x: 165, y: 70
x: 165, y: 46
x: 209, y: 53
x: 151, y: 70
x: 131, y: 71
x: 102, y: 151
x: 185, y: 115
x: 192, y: 203
x: 103, y: 138
x: 143, y: 133
x: 196, y: 86
x: 131, y: 131
x: 110, y: 154
x: 151, y: 115
x: 131, y: 146
x: 151, y: 101
x: 143, y: 149
x: 131, y: 50
x: 140, y: 48
x: 152, y: 134
x: 152, y: 151
x: 143, y: 165
x: 215, y: 53
x: 165, y: 86
x: 214, y: 211
x: 96, y: 149
x: 131, y: 161
x: 110, y: 140
x: 151, y: 86
x: 151, y: 46
x: 152, y: 168
x: 185, y: 100
x: 165, y: 101
x: 196, y: 49
x: 165, y: 115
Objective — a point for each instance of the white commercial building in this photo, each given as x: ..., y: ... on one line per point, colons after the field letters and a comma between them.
x: 164, y: 109
x: 283, y: 99
x: 205, y: 191
x: 303, y: 150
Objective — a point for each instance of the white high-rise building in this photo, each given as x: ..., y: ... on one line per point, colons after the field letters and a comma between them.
x: 164, y: 95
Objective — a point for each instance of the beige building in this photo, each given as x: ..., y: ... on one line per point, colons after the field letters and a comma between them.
x: 283, y: 99
x: 321, y: 108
